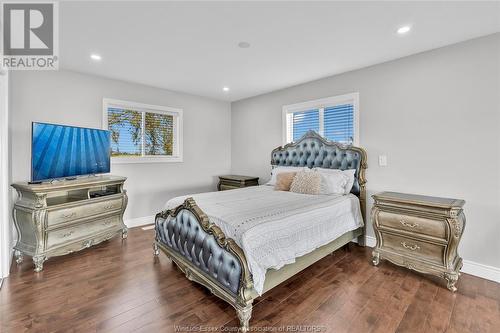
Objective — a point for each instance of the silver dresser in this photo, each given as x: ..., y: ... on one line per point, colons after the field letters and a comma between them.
x: 62, y: 217
x: 419, y: 232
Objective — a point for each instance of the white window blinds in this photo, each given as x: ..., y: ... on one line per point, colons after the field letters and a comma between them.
x: 333, y: 118
x: 126, y: 132
x: 339, y: 123
x: 304, y: 121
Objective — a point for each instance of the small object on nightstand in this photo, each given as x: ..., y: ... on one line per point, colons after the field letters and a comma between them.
x: 419, y: 232
x: 231, y: 182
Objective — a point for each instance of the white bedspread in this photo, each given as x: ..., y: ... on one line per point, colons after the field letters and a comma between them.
x: 275, y: 227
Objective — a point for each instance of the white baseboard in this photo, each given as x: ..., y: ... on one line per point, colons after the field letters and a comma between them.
x: 139, y: 221
x: 480, y: 270
x: 470, y: 267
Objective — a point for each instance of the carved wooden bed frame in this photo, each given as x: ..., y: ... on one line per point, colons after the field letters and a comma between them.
x: 195, y: 254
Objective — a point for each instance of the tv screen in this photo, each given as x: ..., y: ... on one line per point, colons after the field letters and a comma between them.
x: 59, y: 151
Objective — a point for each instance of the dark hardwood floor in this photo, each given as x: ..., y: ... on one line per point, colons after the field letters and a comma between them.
x: 119, y: 287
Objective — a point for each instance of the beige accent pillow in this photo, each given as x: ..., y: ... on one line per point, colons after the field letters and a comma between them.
x: 284, y: 180
x: 306, y: 182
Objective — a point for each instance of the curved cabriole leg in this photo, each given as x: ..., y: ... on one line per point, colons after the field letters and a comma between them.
x: 38, y: 261
x: 156, y: 250
x: 451, y: 280
x: 124, y: 233
x: 19, y: 256
x: 244, y: 314
x: 375, y: 258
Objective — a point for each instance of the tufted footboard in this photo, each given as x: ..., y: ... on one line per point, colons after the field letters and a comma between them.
x: 206, y: 256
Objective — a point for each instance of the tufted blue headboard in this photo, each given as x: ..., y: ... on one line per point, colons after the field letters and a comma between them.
x: 312, y: 150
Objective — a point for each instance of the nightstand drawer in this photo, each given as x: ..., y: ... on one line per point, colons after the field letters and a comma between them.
x: 224, y: 187
x: 414, y: 248
x: 429, y: 227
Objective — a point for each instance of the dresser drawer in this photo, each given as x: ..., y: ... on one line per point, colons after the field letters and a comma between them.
x: 59, y: 216
x: 68, y: 234
x: 434, y: 228
x: 411, y: 247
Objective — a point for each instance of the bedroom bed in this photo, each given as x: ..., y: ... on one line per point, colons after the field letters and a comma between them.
x: 242, y: 243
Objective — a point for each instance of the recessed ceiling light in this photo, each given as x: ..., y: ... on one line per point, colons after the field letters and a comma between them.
x: 95, y: 57
x: 244, y: 45
x: 225, y: 89
x: 404, y: 29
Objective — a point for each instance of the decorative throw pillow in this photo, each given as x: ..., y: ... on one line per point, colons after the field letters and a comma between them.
x: 306, y: 182
x: 284, y: 180
x: 277, y: 170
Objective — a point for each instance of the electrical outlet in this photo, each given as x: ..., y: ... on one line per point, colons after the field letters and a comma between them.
x: 382, y: 160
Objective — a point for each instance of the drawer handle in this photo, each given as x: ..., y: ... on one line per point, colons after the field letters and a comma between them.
x: 107, y: 222
x: 70, y: 215
x: 410, y: 225
x: 108, y: 207
x: 410, y: 247
x: 67, y: 234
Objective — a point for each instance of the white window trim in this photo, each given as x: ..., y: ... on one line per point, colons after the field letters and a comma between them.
x: 178, y: 116
x: 321, y: 104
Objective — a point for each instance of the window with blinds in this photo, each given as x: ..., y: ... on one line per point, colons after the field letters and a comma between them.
x: 141, y: 133
x: 338, y: 123
x: 304, y: 121
x: 334, y: 118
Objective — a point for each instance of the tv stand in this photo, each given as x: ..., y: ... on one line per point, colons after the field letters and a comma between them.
x: 54, y: 219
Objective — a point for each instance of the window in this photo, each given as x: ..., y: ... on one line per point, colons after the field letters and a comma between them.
x: 142, y: 133
x: 334, y: 118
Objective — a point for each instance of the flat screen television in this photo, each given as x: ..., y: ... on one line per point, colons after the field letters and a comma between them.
x: 59, y: 151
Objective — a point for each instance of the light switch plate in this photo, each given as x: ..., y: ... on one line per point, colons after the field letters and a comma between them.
x: 382, y: 160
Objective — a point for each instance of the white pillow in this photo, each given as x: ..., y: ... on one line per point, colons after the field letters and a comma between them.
x: 281, y: 169
x: 332, y: 180
x: 333, y: 183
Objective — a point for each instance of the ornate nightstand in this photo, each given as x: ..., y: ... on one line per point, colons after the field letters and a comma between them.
x: 230, y: 182
x: 419, y: 232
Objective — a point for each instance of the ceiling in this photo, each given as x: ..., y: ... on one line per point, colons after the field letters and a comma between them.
x: 192, y: 47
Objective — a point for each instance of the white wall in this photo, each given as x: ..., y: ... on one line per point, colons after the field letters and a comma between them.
x: 5, y: 225
x: 437, y: 117
x: 76, y: 99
